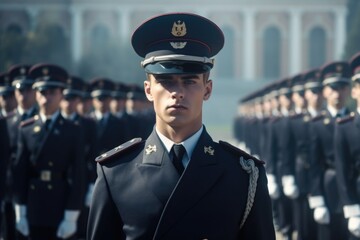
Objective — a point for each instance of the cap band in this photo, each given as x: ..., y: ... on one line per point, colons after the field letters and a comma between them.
x: 177, y: 57
x: 97, y: 93
x: 335, y: 79
x: 48, y: 84
x: 298, y: 88
x: 355, y: 77
x: 6, y: 89
x: 18, y: 82
x: 310, y: 85
x: 73, y: 92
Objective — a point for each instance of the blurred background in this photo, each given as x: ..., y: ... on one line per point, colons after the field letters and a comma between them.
x: 265, y: 40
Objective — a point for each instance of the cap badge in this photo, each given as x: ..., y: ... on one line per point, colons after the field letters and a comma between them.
x: 209, y: 150
x: 339, y: 68
x: 150, y: 149
x: 45, y: 71
x: 178, y: 29
x: 306, y: 118
x: 326, y: 121
x: 69, y: 81
x: 22, y: 71
x: 101, y: 84
x: 178, y: 45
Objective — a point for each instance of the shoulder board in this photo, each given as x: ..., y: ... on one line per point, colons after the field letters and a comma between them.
x: 119, y: 149
x: 296, y: 115
x: 10, y: 115
x: 346, y: 119
x: 314, y: 119
x: 239, y: 152
x: 29, y: 121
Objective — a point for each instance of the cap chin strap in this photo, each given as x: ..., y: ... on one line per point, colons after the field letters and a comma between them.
x: 177, y: 57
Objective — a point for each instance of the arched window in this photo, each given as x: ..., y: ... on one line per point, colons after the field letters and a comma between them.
x: 225, y: 60
x: 14, y: 29
x: 317, y: 47
x: 99, y: 35
x: 271, y: 53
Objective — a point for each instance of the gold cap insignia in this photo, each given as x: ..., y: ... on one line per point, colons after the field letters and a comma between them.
x: 339, y: 68
x: 22, y: 71
x: 178, y: 29
x: 326, y: 121
x: 150, y: 149
x: 209, y: 150
x: 45, y: 71
x: 37, y: 129
x: 69, y: 81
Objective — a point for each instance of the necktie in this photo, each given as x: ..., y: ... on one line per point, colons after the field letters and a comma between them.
x: 47, y: 124
x: 178, y: 153
x: 24, y: 116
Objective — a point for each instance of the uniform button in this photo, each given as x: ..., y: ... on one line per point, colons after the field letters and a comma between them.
x: 51, y: 164
x: 49, y: 186
x: 32, y: 187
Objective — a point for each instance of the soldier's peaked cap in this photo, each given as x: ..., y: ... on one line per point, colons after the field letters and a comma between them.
x: 336, y: 74
x: 177, y: 43
x: 355, y: 67
x: 19, y: 75
x: 48, y: 76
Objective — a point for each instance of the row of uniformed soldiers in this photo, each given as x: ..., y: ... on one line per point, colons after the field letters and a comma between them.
x: 52, y: 127
x: 302, y: 128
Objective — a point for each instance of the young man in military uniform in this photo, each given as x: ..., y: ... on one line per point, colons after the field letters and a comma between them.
x: 347, y: 158
x: 49, y: 167
x: 324, y: 196
x: 7, y: 97
x: 179, y: 183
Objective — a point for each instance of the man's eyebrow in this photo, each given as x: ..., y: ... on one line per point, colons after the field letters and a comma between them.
x: 194, y: 76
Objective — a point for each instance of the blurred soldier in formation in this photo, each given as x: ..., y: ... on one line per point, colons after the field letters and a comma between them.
x: 111, y: 131
x: 118, y: 102
x: 347, y: 157
x: 73, y: 94
x: 275, y: 155
x: 49, y: 167
x: 85, y: 106
x: 7, y: 96
x: 26, y: 108
x: 324, y: 198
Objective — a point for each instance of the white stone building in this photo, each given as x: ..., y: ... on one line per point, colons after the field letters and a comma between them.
x: 265, y: 39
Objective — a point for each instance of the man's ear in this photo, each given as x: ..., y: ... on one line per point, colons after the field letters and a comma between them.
x: 147, y: 89
x: 208, y: 90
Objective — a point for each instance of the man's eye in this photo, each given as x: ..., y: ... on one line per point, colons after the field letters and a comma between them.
x: 189, y: 81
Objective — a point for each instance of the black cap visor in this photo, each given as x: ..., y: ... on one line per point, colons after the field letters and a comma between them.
x: 177, y: 67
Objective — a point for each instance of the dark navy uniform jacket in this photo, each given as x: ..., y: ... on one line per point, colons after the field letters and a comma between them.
x: 4, y: 155
x: 49, y: 170
x: 140, y: 195
x: 347, y: 159
x: 323, y: 172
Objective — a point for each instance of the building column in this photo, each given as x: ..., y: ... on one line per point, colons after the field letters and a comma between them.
x: 340, y: 33
x: 76, y: 28
x: 33, y: 14
x: 249, y: 45
x: 295, y: 42
x: 124, y: 24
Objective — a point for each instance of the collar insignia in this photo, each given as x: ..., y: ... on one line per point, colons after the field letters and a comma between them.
x: 178, y: 29
x: 306, y: 118
x: 209, y: 150
x: 150, y: 149
x: 326, y: 121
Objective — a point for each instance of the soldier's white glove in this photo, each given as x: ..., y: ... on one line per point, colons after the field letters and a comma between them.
x: 322, y: 215
x: 22, y: 224
x: 89, y: 195
x: 68, y: 225
x: 289, y: 186
x: 352, y: 212
x: 354, y: 226
x: 274, y: 191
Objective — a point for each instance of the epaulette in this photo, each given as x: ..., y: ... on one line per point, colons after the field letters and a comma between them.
x: 10, y: 115
x: 296, y: 115
x: 119, y: 149
x: 29, y: 121
x: 240, y: 152
x: 346, y: 119
x: 318, y: 117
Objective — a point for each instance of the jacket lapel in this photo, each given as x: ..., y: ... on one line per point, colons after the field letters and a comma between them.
x: 157, y: 169
x: 201, y: 174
